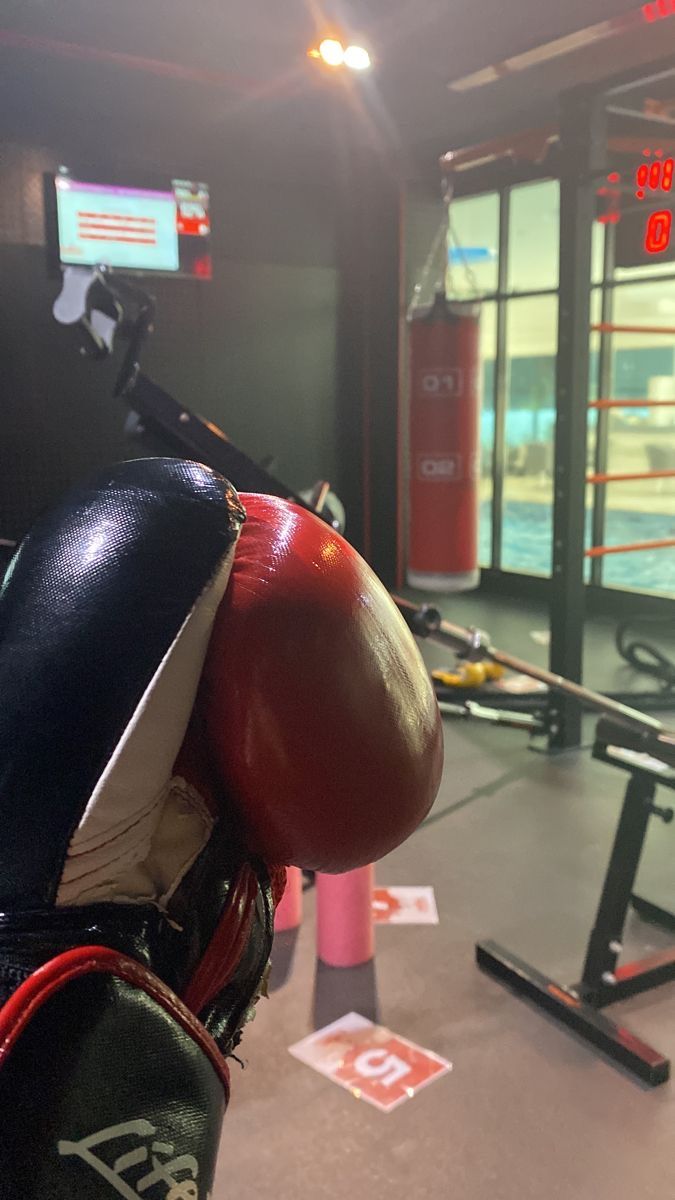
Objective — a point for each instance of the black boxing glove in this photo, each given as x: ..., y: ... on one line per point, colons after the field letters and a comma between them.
x: 135, y: 929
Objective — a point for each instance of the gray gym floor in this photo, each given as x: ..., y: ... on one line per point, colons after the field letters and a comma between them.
x: 516, y: 849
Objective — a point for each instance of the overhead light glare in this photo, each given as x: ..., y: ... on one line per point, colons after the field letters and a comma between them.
x: 332, y: 52
x: 357, y: 58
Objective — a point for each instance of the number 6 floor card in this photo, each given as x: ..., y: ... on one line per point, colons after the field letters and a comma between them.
x: 373, y: 1063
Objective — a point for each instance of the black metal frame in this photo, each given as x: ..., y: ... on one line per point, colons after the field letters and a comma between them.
x: 502, y: 178
x: 578, y: 161
x: 583, y: 159
x: 582, y: 138
x: 603, y: 980
x: 604, y: 386
x: 500, y: 381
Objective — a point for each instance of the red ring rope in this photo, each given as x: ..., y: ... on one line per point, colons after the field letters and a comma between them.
x: 622, y: 478
x: 632, y: 404
x: 600, y: 551
x: 607, y: 327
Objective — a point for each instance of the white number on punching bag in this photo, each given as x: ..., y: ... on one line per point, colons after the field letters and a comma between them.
x: 442, y: 382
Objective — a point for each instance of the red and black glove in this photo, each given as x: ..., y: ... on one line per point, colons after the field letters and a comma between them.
x: 187, y: 706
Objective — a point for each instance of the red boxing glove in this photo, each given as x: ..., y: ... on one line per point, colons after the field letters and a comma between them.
x: 136, y: 907
x: 320, y: 713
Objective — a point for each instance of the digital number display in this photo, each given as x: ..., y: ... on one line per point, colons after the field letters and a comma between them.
x: 652, y: 177
x: 657, y: 234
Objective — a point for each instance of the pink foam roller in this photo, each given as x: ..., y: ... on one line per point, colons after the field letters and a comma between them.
x: 289, y: 911
x: 344, y: 917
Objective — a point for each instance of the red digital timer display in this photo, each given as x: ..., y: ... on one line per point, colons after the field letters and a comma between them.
x: 655, y: 175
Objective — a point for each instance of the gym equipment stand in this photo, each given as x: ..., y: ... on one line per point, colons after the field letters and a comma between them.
x: 634, y: 742
x: 603, y: 981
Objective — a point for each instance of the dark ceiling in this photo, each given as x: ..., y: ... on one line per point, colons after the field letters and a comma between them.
x: 234, y: 76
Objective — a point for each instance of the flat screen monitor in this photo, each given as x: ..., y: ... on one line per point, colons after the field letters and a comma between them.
x: 134, y: 229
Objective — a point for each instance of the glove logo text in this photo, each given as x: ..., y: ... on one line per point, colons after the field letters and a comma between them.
x: 168, y: 1176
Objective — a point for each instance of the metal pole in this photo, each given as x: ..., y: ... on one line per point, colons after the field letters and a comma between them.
x: 583, y: 145
x: 499, y: 391
x: 568, y: 688
x: 426, y: 622
x: 605, y: 388
x: 382, y: 219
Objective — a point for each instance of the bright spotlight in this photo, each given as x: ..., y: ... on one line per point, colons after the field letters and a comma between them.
x: 357, y: 57
x: 332, y: 52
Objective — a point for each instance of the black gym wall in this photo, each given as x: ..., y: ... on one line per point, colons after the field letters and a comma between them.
x: 254, y: 350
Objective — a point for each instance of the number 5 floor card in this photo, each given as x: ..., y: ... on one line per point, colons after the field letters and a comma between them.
x: 370, y: 1061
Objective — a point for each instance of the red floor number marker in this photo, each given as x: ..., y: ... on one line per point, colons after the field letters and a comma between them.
x: 404, y: 906
x: 370, y: 1061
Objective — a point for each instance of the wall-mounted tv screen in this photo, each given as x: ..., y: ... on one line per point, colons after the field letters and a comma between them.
x: 134, y: 229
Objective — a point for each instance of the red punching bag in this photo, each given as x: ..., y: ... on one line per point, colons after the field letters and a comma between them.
x: 444, y: 446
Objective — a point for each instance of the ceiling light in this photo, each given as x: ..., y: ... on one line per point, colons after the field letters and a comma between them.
x: 332, y: 52
x: 357, y: 57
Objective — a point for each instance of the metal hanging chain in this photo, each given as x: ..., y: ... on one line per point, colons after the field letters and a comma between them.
x: 470, y: 277
x: 427, y: 268
x: 446, y: 232
x: 440, y: 237
x: 448, y: 192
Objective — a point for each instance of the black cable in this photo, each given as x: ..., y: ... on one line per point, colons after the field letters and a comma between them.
x: 645, y: 656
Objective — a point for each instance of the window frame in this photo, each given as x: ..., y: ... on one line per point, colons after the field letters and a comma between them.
x: 501, y: 177
x: 501, y: 297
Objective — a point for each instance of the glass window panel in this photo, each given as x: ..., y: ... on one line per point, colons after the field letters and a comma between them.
x: 473, y: 246
x: 642, y: 512
x: 642, y: 439
x: 594, y: 346
x: 488, y: 344
x: 651, y: 303
x: 534, y: 224
x: 593, y: 394
x: 531, y: 337
x: 597, y: 252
